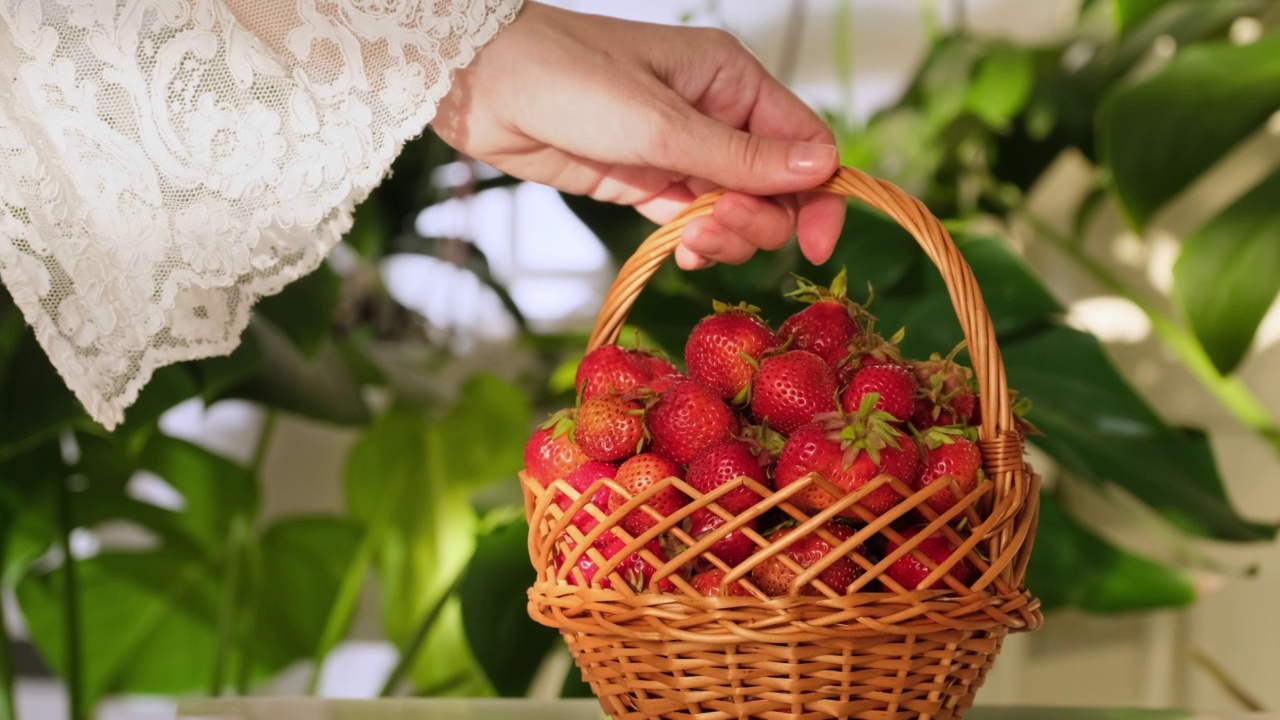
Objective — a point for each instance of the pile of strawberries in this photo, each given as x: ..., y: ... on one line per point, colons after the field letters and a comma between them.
x: 823, y: 394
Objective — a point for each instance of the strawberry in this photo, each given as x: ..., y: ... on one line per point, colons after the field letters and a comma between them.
x: 774, y: 577
x: 828, y: 325
x: 708, y: 583
x: 610, y: 368
x: 765, y: 442
x: 870, y: 348
x: 687, y: 418
x: 943, y: 395
x: 724, y: 349
x: 893, y: 384
x: 722, y: 462
x: 910, y: 572
x: 635, y: 476
x: 634, y: 569
x: 731, y: 549
x: 791, y: 388
x: 550, y: 453
x: 949, y: 456
x: 609, y: 427
x: 850, y: 451
x: 581, y: 480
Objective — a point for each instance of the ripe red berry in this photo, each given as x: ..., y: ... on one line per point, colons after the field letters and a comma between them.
x: 686, y: 418
x: 943, y: 395
x: 910, y: 572
x: 609, y: 427
x: 774, y: 577
x: 708, y: 583
x: 638, y: 474
x: 790, y: 389
x: 725, y: 461
x: 724, y: 349
x: 731, y: 549
x: 634, y: 569
x: 610, y: 369
x: 893, y: 384
x: 949, y: 457
x: 581, y: 480
x: 828, y: 325
x: 550, y: 454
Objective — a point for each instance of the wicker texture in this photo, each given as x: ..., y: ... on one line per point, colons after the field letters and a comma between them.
x: 878, y: 651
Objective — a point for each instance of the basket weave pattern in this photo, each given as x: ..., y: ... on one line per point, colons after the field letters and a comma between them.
x: 878, y: 651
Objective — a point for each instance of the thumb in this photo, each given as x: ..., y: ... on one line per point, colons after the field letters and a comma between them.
x: 699, y: 146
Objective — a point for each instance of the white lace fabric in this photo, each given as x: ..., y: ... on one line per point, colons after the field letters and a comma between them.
x: 164, y: 163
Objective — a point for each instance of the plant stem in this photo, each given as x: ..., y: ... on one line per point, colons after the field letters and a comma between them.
x: 71, y: 608
x: 414, y: 646
x: 7, y: 709
x: 1233, y: 394
x: 236, y: 537
x: 348, y: 597
x: 249, y: 623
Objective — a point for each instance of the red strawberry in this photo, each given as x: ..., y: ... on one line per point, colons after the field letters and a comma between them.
x: 791, y: 388
x: 869, y: 348
x: 656, y: 365
x: 774, y: 577
x: 634, y: 569
x: 610, y: 368
x: 708, y: 583
x: 948, y: 456
x: 850, y: 451
x: 910, y: 572
x: 635, y: 476
x: 609, y: 427
x: 943, y: 396
x: 581, y: 480
x: 687, y: 418
x: 724, y: 349
x: 894, y: 385
x: 722, y: 462
x: 731, y: 549
x: 828, y: 325
x: 550, y: 454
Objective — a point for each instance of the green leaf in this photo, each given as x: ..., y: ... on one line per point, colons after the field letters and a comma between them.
x: 1002, y: 85
x: 147, y: 621
x: 1130, y: 13
x: 507, y: 643
x: 1156, y: 137
x: 322, y: 388
x: 28, y: 520
x: 32, y: 384
x: 214, y: 489
x: 1098, y: 428
x: 484, y: 433
x: 396, y: 477
x: 1071, y: 566
x: 304, y: 559
x: 167, y: 387
x: 1228, y: 274
x: 303, y: 311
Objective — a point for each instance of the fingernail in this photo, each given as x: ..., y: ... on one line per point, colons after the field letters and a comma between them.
x: 805, y: 157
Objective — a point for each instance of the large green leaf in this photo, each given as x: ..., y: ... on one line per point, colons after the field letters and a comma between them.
x: 1131, y: 12
x: 147, y: 621
x: 320, y: 387
x: 1071, y: 566
x: 214, y: 489
x: 34, y: 401
x: 1156, y: 136
x: 1001, y: 85
x: 483, y: 434
x: 506, y: 642
x: 1098, y: 428
x: 28, y: 525
x: 303, y: 561
x: 1229, y: 273
x: 303, y: 311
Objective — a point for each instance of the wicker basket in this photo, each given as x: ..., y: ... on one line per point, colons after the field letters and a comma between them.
x: 878, y: 652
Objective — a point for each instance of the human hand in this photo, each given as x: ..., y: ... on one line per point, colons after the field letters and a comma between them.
x: 650, y: 116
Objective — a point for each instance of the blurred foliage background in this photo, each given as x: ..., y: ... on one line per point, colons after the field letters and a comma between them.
x: 199, y: 594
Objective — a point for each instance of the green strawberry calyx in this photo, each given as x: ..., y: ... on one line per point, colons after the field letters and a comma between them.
x: 560, y: 422
x: 868, y: 430
x: 940, y: 435
x: 765, y: 442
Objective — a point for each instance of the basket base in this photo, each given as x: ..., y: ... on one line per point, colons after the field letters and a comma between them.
x: 890, y: 677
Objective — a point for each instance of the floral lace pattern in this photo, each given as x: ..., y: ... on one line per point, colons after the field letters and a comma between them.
x: 164, y: 163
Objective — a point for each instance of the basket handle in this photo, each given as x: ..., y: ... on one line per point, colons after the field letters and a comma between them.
x: 1001, y: 445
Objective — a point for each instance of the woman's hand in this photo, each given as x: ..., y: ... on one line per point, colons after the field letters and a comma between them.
x: 650, y: 116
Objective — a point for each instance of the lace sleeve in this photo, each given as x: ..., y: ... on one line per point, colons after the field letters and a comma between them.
x: 164, y: 163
